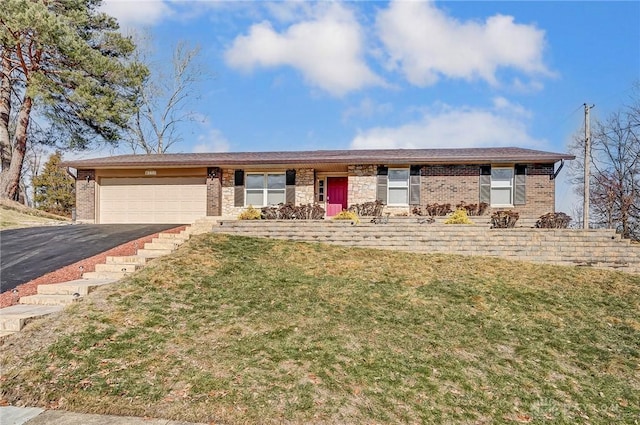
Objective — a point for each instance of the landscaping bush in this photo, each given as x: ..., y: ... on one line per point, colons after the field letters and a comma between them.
x: 347, y: 215
x: 250, y: 214
x: 473, y: 209
x: 557, y: 220
x: 433, y: 210
x: 292, y: 212
x: 368, y: 209
x: 458, y: 217
x: 504, y: 219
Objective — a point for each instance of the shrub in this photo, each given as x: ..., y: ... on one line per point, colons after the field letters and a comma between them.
x: 291, y: 212
x: 433, y: 210
x: 458, y: 217
x: 250, y: 214
x: 473, y: 209
x: 347, y: 215
x: 504, y: 219
x: 368, y: 209
x: 557, y: 220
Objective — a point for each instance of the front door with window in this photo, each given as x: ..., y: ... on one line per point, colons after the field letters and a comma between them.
x: 336, y: 195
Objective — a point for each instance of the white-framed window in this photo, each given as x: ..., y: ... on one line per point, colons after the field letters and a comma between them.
x: 398, y: 186
x: 501, y: 186
x: 264, y: 189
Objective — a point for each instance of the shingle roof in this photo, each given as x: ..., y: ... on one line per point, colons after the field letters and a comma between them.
x: 370, y: 156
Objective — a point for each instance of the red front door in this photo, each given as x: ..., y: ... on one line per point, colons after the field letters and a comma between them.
x: 336, y: 195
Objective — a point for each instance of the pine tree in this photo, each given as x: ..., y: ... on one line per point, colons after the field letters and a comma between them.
x: 65, y: 61
x: 54, y: 188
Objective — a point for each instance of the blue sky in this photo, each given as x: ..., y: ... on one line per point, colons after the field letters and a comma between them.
x: 298, y: 75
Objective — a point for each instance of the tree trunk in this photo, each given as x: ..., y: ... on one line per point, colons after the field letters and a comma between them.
x: 10, y: 181
x: 5, y: 111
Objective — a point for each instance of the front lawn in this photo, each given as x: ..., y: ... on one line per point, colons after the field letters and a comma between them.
x: 238, y: 330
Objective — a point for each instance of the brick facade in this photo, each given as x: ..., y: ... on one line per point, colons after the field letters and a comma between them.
x: 214, y: 192
x: 438, y: 184
x: 460, y: 183
x: 441, y: 184
x: 86, y: 196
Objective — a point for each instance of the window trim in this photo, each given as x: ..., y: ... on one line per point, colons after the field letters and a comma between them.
x: 406, y: 186
x: 265, y: 188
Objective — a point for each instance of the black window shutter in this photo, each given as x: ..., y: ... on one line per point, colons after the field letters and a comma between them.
x: 485, y: 184
x: 414, y: 185
x: 238, y: 178
x: 381, y: 190
x: 291, y: 177
x: 238, y: 195
x: 520, y: 192
x: 290, y: 190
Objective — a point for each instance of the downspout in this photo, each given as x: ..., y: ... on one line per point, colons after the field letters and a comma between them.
x: 555, y: 174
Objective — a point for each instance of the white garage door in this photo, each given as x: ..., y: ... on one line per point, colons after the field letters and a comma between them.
x: 179, y: 200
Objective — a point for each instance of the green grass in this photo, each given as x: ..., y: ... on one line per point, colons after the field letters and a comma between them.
x: 239, y: 330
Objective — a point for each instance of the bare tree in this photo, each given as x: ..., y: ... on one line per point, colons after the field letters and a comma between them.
x: 615, y: 180
x: 165, y: 101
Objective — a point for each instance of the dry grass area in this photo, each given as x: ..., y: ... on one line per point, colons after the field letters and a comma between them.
x: 14, y: 215
x: 239, y: 331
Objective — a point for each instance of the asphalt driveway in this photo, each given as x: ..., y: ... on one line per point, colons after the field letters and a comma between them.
x: 26, y: 254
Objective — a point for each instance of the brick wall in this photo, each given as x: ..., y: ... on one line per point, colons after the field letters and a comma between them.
x: 540, y: 191
x: 214, y: 192
x: 455, y: 183
x: 86, y: 196
x: 441, y: 184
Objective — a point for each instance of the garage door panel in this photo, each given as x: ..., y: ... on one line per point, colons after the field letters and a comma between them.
x: 152, y: 200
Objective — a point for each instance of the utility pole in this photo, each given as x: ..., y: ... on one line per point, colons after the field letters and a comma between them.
x: 587, y: 164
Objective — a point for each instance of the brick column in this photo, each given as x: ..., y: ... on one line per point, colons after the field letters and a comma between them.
x: 86, y: 196
x: 214, y: 192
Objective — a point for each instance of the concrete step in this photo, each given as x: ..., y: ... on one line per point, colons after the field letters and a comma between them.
x: 178, y: 237
x: 81, y: 287
x: 172, y: 246
x: 154, y: 253
x: 103, y: 275
x: 14, y: 318
x: 54, y: 300
x: 127, y: 259
x: 122, y: 268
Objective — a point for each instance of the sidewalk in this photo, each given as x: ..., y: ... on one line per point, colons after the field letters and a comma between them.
x: 10, y: 415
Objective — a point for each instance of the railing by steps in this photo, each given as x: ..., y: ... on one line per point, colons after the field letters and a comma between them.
x: 597, y: 248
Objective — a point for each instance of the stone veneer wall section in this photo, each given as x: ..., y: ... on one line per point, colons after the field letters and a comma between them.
x: 228, y: 210
x: 305, y: 190
x: 86, y: 196
x: 362, y: 183
x: 305, y: 186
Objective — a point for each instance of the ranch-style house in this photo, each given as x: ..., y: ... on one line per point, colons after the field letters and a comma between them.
x: 180, y: 188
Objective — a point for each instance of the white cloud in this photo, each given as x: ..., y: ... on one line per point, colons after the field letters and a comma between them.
x: 212, y: 141
x: 327, y: 50
x: 426, y: 44
x: 367, y: 108
x: 132, y: 13
x: 503, y: 124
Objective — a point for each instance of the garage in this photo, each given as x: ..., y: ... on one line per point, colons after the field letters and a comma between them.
x: 179, y: 200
